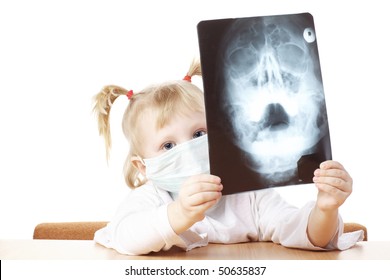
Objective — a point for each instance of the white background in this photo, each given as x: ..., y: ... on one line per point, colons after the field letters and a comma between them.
x: 55, y: 55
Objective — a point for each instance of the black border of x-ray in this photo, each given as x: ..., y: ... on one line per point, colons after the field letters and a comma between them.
x: 226, y: 160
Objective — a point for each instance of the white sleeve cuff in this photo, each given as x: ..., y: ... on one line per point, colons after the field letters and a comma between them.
x: 187, y: 240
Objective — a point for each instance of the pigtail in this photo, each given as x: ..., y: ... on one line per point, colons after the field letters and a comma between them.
x: 103, y: 102
x: 195, y: 70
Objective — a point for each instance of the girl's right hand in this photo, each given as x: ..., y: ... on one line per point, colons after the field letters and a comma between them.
x: 197, y: 195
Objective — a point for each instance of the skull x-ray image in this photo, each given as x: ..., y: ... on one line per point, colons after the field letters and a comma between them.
x: 265, y: 104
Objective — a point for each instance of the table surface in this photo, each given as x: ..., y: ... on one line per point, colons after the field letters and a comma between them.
x: 88, y: 249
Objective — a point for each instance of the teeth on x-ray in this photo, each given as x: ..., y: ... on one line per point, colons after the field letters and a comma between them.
x: 274, y: 94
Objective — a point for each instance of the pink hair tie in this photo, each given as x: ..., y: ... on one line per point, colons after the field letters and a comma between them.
x: 187, y: 78
x: 130, y: 94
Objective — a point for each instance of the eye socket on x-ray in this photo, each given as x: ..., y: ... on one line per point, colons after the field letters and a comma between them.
x: 309, y: 35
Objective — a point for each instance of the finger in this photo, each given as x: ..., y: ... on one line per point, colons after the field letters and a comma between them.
x: 204, y: 178
x: 194, y: 187
x: 198, y: 212
x: 334, y: 182
x: 331, y: 164
x: 336, y: 193
x: 203, y: 207
x: 204, y: 197
x: 335, y: 173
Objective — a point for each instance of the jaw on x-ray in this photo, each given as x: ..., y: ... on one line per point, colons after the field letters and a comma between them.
x: 273, y: 93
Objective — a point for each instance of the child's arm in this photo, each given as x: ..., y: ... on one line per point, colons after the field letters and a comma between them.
x: 334, y: 186
x: 197, y: 195
x: 141, y: 225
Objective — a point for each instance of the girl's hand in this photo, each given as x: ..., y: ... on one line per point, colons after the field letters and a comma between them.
x: 197, y: 195
x: 334, y: 185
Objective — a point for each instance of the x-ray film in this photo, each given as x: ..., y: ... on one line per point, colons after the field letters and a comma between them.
x: 265, y: 104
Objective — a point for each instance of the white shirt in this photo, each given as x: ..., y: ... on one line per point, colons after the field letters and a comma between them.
x: 141, y: 224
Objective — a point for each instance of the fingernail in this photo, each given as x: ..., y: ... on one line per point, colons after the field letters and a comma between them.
x: 323, y: 165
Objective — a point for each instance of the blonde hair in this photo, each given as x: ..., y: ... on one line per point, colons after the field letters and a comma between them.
x: 165, y: 99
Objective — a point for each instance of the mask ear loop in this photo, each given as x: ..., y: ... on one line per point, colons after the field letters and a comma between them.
x: 141, y: 160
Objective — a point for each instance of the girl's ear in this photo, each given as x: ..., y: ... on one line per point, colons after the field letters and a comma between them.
x: 139, y: 164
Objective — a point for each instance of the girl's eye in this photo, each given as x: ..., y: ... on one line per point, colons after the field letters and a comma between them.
x: 167, y: 146
x: 199, y: 133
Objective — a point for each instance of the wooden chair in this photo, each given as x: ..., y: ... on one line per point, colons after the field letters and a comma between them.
x: 67, y: 230
x: 86, y: 230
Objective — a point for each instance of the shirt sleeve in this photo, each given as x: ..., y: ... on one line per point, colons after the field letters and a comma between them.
x: 285, y: 224
x: 141, y: 226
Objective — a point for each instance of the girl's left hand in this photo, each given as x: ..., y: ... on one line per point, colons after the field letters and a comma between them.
x: 334, y: 185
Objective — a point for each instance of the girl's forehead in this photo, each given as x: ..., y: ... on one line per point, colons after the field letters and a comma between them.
x: 161, y: 117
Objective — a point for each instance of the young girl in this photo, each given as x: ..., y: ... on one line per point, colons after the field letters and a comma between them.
x: 174, y: 200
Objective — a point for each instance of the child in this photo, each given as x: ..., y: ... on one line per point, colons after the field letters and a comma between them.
x: 176, y: 202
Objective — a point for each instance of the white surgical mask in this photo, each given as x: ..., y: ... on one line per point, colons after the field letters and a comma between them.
x: 169, y: 170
